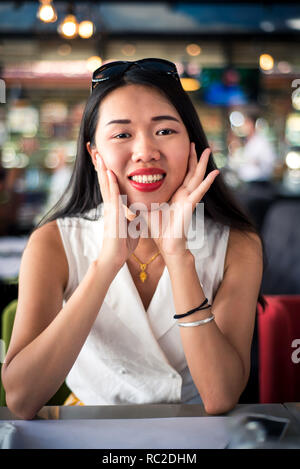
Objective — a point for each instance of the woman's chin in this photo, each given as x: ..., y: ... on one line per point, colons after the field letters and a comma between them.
x: 148, y: 200
x: 144, y: 204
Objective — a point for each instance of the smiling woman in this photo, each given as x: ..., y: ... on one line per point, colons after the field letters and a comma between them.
x: 97, y: 308
x: 149, y: 137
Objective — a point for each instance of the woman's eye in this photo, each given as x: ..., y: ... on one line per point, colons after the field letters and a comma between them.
x: 121, y: 135
x: 168, y: 131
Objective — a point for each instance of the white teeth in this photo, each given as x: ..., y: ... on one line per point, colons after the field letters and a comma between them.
x: 147, y: 179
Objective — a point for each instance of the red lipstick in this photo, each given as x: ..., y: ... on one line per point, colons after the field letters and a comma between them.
x: 147, y: 186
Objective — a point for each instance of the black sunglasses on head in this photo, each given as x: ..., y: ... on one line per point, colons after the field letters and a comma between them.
x: 118, y: 68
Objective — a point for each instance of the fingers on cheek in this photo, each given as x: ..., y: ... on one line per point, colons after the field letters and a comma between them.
x: 194, y: 152
x: 212, y: 177
x: 207, y: 154
x: 193, y: 157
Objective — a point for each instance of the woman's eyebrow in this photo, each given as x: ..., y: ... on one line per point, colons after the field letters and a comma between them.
x: 163, y: 118
x: 119, y: 121
x: 156, y: 118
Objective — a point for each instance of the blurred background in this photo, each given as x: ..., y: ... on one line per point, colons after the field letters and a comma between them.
x: 239, y: 62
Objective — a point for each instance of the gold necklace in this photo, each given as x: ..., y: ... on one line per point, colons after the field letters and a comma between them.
x: 143, y: 267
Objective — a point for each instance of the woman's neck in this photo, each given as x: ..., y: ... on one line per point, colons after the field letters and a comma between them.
x: 145, y: 249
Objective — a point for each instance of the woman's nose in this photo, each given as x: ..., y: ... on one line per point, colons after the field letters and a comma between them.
x: 145, y: 150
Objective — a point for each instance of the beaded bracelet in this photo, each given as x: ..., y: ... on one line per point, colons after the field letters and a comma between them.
x: 199, y: 308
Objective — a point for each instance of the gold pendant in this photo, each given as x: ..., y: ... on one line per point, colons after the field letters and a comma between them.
x: 143, y: 276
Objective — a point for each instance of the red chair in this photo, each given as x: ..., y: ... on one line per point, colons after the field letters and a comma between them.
x: 279, y: 349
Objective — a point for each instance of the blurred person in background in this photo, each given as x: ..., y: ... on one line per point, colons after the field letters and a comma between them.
x: 60, y: 178
x: 258, y: 156
x: 253, y: 166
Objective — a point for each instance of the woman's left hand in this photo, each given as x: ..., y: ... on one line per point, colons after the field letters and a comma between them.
x: 176, y: 217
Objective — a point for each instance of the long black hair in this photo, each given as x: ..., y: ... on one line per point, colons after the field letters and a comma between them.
x: 83, y: 193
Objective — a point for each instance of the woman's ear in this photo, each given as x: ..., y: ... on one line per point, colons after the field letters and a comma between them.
x: 93, y: 153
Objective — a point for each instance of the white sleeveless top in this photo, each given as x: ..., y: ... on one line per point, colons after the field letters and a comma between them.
x: 133, y: 356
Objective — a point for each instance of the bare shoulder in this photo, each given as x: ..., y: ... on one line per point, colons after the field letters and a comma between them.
x: 243, y: 246
x: 46, y: 242
x: 48, y: 232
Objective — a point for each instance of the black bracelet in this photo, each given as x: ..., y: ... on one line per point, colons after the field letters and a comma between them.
x: 199, y: 308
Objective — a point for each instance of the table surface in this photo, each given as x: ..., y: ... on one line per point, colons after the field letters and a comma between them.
x: 294, y: 409
x: 146, y: 411
x: 290, y: 411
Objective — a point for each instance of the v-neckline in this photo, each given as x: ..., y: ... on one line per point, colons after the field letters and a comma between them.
x: 128, y: 273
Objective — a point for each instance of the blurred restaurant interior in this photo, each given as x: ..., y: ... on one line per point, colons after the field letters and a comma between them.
x: 239, y: 62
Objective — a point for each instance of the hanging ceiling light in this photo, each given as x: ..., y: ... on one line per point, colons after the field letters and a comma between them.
x: 93, y: 63
x: 46, y: 12
x: 266, y: 62
x: 86, y: 29
x: 193, y: 49
x: 69, y: 27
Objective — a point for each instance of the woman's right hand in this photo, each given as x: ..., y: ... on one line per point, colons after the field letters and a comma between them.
x: 115, y: 248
